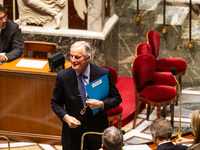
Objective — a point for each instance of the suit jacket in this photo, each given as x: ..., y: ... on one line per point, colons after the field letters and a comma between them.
x: 171, y: 146
x: 11, y: 42
x: 65, y: 93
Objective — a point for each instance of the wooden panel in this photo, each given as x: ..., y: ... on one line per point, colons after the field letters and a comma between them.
x: 75, y: 22
x: 9, y: 5
x: 25, y: 106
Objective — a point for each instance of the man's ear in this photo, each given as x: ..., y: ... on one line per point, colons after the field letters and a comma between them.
x: 102, y: 146
x: 153, y: 134
x: 123, y: 144
x: 88, y: 58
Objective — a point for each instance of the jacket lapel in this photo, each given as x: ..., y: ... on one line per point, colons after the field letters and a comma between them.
x: 74, y: 86
x: 93, y: 73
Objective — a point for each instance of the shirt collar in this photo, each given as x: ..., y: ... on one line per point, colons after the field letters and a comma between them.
x: 86, y: 72
x: 164, y: 142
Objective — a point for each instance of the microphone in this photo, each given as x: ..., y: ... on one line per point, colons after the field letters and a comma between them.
x: 122, y: 131
x: 173, y: 70
x: 174, y: 73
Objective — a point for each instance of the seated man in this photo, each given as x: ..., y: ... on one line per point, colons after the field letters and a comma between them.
x: 10, y: 38
x: 112, y: 139
x: 161, y: 131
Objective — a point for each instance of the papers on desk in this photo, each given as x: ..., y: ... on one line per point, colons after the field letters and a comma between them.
x: 98, y: 89
x: 39, y: 64
x: 137, y: 147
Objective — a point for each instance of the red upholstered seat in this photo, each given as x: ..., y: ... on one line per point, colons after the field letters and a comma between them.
x: 114, y: 111
x: 167, y: 63
x: 143, y: 70
x: 157, y: 93
x: 153, y: 38
x: 164, y: 78
x: 113, y: 73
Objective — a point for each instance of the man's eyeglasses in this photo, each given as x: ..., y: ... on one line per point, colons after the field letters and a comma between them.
x: 4, y: 17
x: 85, y: 105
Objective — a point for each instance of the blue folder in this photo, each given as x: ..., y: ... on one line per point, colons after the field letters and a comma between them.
x: 98, y: 89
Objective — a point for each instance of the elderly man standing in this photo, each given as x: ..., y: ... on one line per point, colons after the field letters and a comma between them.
x: 67, y: 104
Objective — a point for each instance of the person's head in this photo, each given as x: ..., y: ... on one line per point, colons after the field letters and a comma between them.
x: 112, y: 139
x: 80, y: 54
x: 3, y: 17
x: 195, y: 125
x: 161, y: 130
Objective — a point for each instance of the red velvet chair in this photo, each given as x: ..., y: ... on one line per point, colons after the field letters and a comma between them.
x: 115, y: 113
x: 165, y: 65
x: 143, y: 71
x: 160, y: 78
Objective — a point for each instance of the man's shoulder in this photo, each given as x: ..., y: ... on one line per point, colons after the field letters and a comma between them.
x: 171, y: 146
x: 99, y: 68
x: 65, y: 72
x: 10, y: 23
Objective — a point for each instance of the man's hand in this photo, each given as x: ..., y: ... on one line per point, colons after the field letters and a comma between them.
x: 2, y: 58
x: 93, y: 103
x: 182, y: 140
x: 71, y: 121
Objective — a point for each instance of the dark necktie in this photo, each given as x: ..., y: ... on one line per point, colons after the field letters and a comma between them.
x: 82, y: 89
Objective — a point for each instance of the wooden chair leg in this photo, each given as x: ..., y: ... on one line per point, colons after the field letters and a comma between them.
x: 137, y: 109
x: 164, y: 112
x: 172, y: 114
x: 135, y: 116
x: 111, y: 123
x: 148, y: 111
x: 158, y: 112
x: 119, y: 122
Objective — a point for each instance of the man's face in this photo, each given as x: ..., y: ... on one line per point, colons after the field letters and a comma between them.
x: 78, y: 61
x: 3, y: 18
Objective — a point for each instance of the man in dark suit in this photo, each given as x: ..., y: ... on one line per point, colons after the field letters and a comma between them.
x: 161, y: 131
x: 67, y: 104
x: 10, y: 38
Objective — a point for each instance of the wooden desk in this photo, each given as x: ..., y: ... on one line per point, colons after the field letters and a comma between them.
x: 187, y: 135
x: 25, y: 105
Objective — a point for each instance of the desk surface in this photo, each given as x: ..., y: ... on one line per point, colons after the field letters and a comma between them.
x: 11, y: 67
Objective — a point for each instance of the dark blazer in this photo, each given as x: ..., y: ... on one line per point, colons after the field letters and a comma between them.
x: 171, y: 146
x: 65, y: 93
x: 11, y: 42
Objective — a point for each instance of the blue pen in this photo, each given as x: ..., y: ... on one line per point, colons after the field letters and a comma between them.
x: 1, y: 63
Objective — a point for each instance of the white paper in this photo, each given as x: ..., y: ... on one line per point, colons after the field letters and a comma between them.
x: 137, y: 147
x: 31, y: 63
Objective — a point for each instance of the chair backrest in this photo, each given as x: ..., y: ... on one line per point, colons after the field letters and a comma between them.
x: 143, y: 48
x: 153, y: 38
x: 143, y: 69
x: 40, y: 49
x: 113, y: 73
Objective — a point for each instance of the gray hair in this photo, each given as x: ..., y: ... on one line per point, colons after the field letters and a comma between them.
x: 162, y: 128
x: 112, y: 138
x: 86, y: 48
